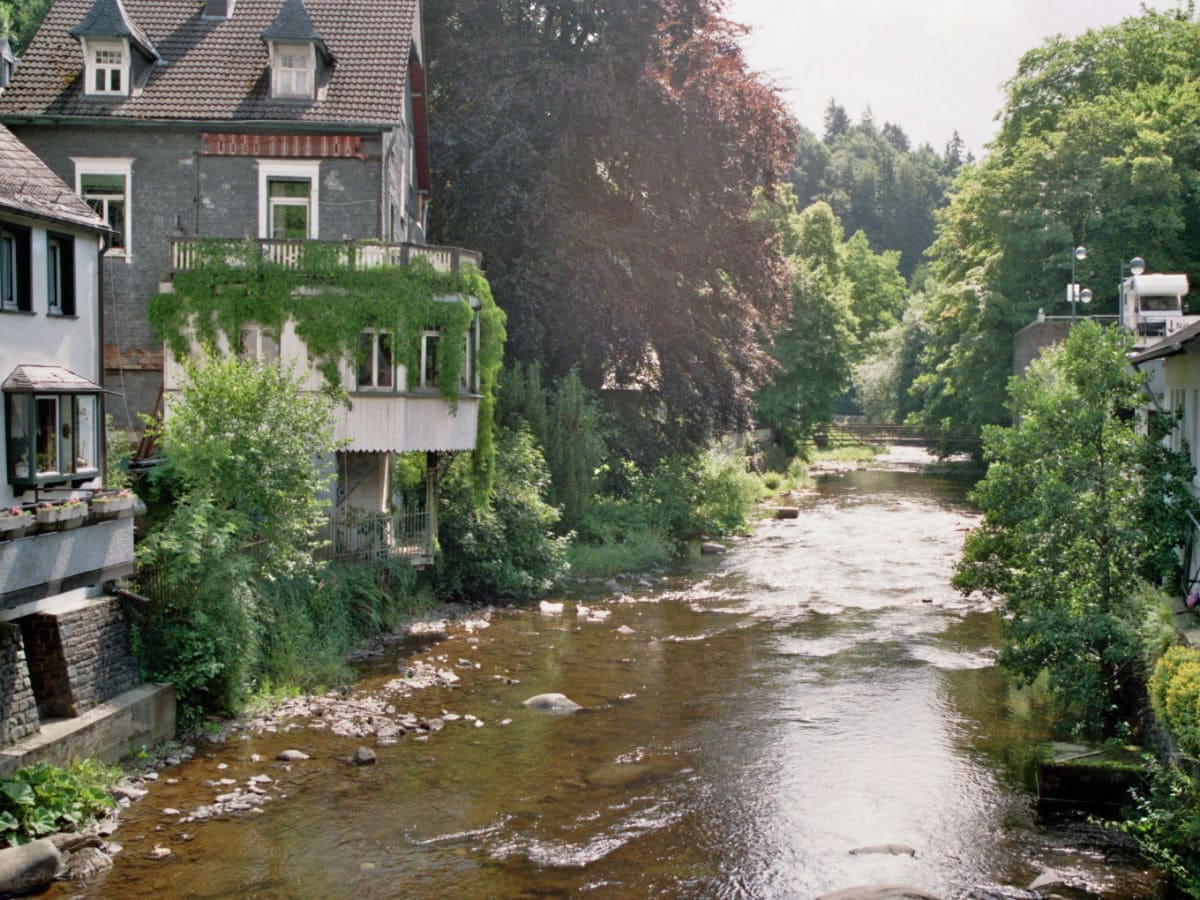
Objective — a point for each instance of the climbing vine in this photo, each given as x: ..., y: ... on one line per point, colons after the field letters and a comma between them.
x: 332, y: 301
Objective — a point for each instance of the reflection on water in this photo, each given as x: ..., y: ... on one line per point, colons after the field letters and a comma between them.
x: 820, y: 689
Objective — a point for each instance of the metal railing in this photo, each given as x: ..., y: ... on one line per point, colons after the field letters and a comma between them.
x: 353, y: 254
x: 360, y: 536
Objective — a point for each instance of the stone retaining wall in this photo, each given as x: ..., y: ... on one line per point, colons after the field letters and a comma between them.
x: 95, y: 642
x: 18, y: 709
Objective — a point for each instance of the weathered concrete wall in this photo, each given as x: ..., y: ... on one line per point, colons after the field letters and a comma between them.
x: 1031, y: 340
x: 18, y: 709
x: 45, y: 564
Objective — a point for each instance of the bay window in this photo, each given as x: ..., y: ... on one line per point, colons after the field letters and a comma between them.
x: 52, y: 438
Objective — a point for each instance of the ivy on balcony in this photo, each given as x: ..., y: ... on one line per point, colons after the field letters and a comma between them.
x: 230, y: 284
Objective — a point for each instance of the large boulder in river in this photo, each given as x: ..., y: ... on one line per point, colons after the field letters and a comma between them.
x: 554, y: 703
x: 712, y: 548
x: 880, y: 892
x: 29, y: 867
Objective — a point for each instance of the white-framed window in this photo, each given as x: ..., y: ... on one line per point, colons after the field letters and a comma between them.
x: 259, y: 345
x: 376, y: 361
x: 106, y: 185
x: 293, y: 70
x: 12, y: 261
x: 429, y: 359
x: 107, y: 68
x: 288, y: 192
x: 52, y: 437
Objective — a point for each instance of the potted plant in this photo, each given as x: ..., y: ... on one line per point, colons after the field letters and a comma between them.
x: 116, y: 505
x: 15, y: 523
x: 67, y: 515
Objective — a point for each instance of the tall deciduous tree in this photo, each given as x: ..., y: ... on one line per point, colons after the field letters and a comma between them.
x: 1099, y: 145
x: 1071, y: 521
x: 604, y: 157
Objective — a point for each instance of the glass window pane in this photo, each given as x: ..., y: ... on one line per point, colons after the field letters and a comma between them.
x: 281, y: 188
x: 429, y: 375
x: 383, y: 361
x: 289, y: 221
x: 87, y: 437
x: 366, y: 343
x: 19, y: 435
x: 47, y: 435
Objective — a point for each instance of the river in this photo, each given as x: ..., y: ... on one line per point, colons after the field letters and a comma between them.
x: 819, y: 689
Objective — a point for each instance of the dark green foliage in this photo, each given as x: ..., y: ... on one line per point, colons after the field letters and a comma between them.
x: 309, y: 626
x: 1064, y: 540
x: 40, y: 800
x: 1098, y: 147
x: 507, y: 548
x: 875, y: 182
x: 21, y: 18
x: 1167, y: 825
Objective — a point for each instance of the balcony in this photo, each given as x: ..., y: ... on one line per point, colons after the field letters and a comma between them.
x: 353, y: 254
x: 362, y: 536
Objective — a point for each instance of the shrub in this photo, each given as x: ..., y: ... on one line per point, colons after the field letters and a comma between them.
x: 1167, y: 825
x: 727, y: 494
x: 772, y: 481
x: 1175, y: 694
x: 42, y: 799
x: 635, y: 551
x: 506, y: 549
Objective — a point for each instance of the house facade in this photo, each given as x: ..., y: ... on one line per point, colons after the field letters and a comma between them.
x: 276, y: 122
x: 63, y: 537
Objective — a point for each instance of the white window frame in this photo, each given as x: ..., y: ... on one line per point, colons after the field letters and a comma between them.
x: 295, y: 170
x: 55, y: 249
x: 117, y: 165
x: 284, y: 79
x: 373, y: 385
x: 258, y: 345
x: 91, y: 52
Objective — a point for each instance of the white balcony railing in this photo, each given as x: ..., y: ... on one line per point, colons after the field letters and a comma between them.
x: 354, y: 254
x: 361, y: 536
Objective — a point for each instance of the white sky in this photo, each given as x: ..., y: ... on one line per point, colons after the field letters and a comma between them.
x: 930, y: 66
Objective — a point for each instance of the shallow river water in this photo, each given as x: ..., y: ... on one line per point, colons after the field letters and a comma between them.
x: 820, y: 689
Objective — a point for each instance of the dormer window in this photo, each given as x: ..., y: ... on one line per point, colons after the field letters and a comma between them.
x: 293, y: 73
x: 108, y: 67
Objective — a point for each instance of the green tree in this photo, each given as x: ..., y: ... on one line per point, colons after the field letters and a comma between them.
x: 814, y: 349
x: 1099, y: 145
x: 1064, y: 540
x: 20, y: 19
x: 245, y: 445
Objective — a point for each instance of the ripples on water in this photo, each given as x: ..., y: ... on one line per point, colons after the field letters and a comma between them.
x: 821, y: 689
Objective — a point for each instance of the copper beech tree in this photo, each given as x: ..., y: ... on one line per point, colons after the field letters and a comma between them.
x: 604, y: 157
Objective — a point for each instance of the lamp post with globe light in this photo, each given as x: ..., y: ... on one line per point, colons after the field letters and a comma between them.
x: 1134, y: 267
x: 1074, y: 294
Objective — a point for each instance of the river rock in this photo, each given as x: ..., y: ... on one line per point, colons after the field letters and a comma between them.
x: 787, y: 512
x: 625, y: 629
x: 880, y: 892
x: 28, y: 867
x: 363, y: 756
x: 884, y: 849
x: 556, y: 703
x: 291, y: 755
x: 712, y: 548
x: 127, y: 792
x: 550, y: 609
x: 1049, y: 878
x: 85, y: 863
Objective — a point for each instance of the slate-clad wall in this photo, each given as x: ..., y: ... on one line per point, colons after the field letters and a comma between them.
x: 178, y: 192
x: 18, y: 709
x: 95, y: 642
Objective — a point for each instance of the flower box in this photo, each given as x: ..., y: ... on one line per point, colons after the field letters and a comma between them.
x: 114, y: 507
x: 15, y: 526
x: 64, y: 517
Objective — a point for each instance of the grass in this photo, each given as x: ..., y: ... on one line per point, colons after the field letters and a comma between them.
x: 637, y: 553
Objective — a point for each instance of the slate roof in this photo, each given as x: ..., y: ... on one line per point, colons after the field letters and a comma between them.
x: 216, y: 69
x: 30, y: 379
x: 28, y: 186
x: 107, y: 18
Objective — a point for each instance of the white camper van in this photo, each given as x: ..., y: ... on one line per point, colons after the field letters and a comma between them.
x: 1152, y: 305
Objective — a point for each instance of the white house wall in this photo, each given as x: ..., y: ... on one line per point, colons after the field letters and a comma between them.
x: 374, y: 421
x: 72, y: 342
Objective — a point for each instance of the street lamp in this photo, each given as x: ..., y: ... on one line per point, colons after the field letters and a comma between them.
x: 1078, y: 255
